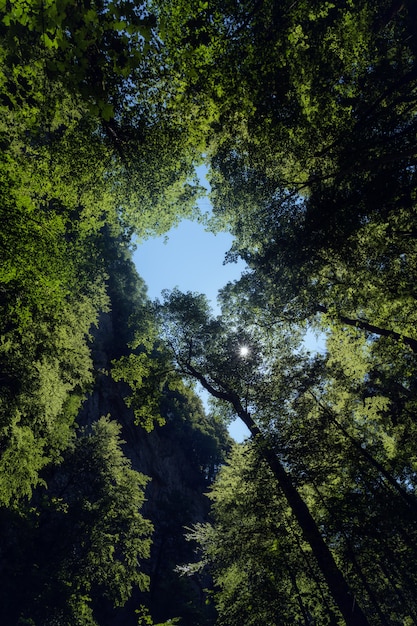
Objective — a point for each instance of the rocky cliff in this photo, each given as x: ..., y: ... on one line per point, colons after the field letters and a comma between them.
x: 180, y: 458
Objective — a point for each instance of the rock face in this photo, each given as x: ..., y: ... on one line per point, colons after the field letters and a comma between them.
x: 175, y: 495
x: 175, y: 501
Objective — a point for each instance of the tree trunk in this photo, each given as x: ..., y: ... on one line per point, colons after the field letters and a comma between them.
x: 336, y: 582
x: 407, y: 497
x: 338, y: 586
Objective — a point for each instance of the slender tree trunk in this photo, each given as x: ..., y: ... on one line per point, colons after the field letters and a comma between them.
x: 338, y: 586
x: 397, y: 590
x: 351, y: 554
x: 297, y: 591
x: 336, y: 582
x: 334, y: 621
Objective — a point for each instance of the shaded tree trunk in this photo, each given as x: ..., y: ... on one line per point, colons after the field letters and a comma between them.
x: 407, y: 497
x: 352, y: 556
x: 336, y: 582
x: 338, y: 586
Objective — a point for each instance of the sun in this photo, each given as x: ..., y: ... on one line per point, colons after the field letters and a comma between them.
x: 244, y: 351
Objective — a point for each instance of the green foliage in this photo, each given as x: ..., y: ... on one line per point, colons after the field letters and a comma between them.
x: 95, y: 542
x: 142, y: 372
x: 262, y: 569
x: 104, y: 43
x: 208, y: 349
x: 144, y: 619
x: 305, y: 112
x: 313, y: 158
x: 83, y: 157
x: 333, y: 431
x: 88, y: 64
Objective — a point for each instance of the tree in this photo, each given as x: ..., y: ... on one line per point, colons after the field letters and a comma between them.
x: 312, y: 151
x: 198, y: 343
x: 82, y: 542
x: 262, y: 569
x: 106, y: 63
x: 318, y: 183
x: 326, y: 434
x: 86, y: 157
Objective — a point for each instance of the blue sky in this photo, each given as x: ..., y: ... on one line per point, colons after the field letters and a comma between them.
x: 188, y: 257
x: 192, y: 260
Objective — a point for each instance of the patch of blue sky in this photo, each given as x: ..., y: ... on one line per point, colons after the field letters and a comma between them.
x: 192, y: 259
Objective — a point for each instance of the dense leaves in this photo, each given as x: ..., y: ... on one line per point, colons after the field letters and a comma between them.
x: 262, y: 568
x: 88, y: 156
x: 313, y: 171
x: 82, y: 540
x: 305, y: 113
x: 82, y: 160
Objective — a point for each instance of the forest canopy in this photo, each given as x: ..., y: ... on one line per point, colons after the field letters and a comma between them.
x: 304, y: 114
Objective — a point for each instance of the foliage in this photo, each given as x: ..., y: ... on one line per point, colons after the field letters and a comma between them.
x: 82, y: 541
x: 332, y: 458
x: 318, y: 185
x: 262, y: 569
x: 146, y: 369
x: 83, y: 159
x: 313, y: 157
x: 104, y: 62
x: 305, y: 113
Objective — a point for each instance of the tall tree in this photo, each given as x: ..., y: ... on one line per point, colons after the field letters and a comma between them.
x: 334, y: 456
x: 203, y: 349
x: 88, y: 148
x: 312, y: 149
x: 262, y: 568
x: 81, y: 543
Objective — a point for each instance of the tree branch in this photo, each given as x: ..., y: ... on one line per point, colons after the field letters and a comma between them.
x: 408, y: 498
x: 371, y: 328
